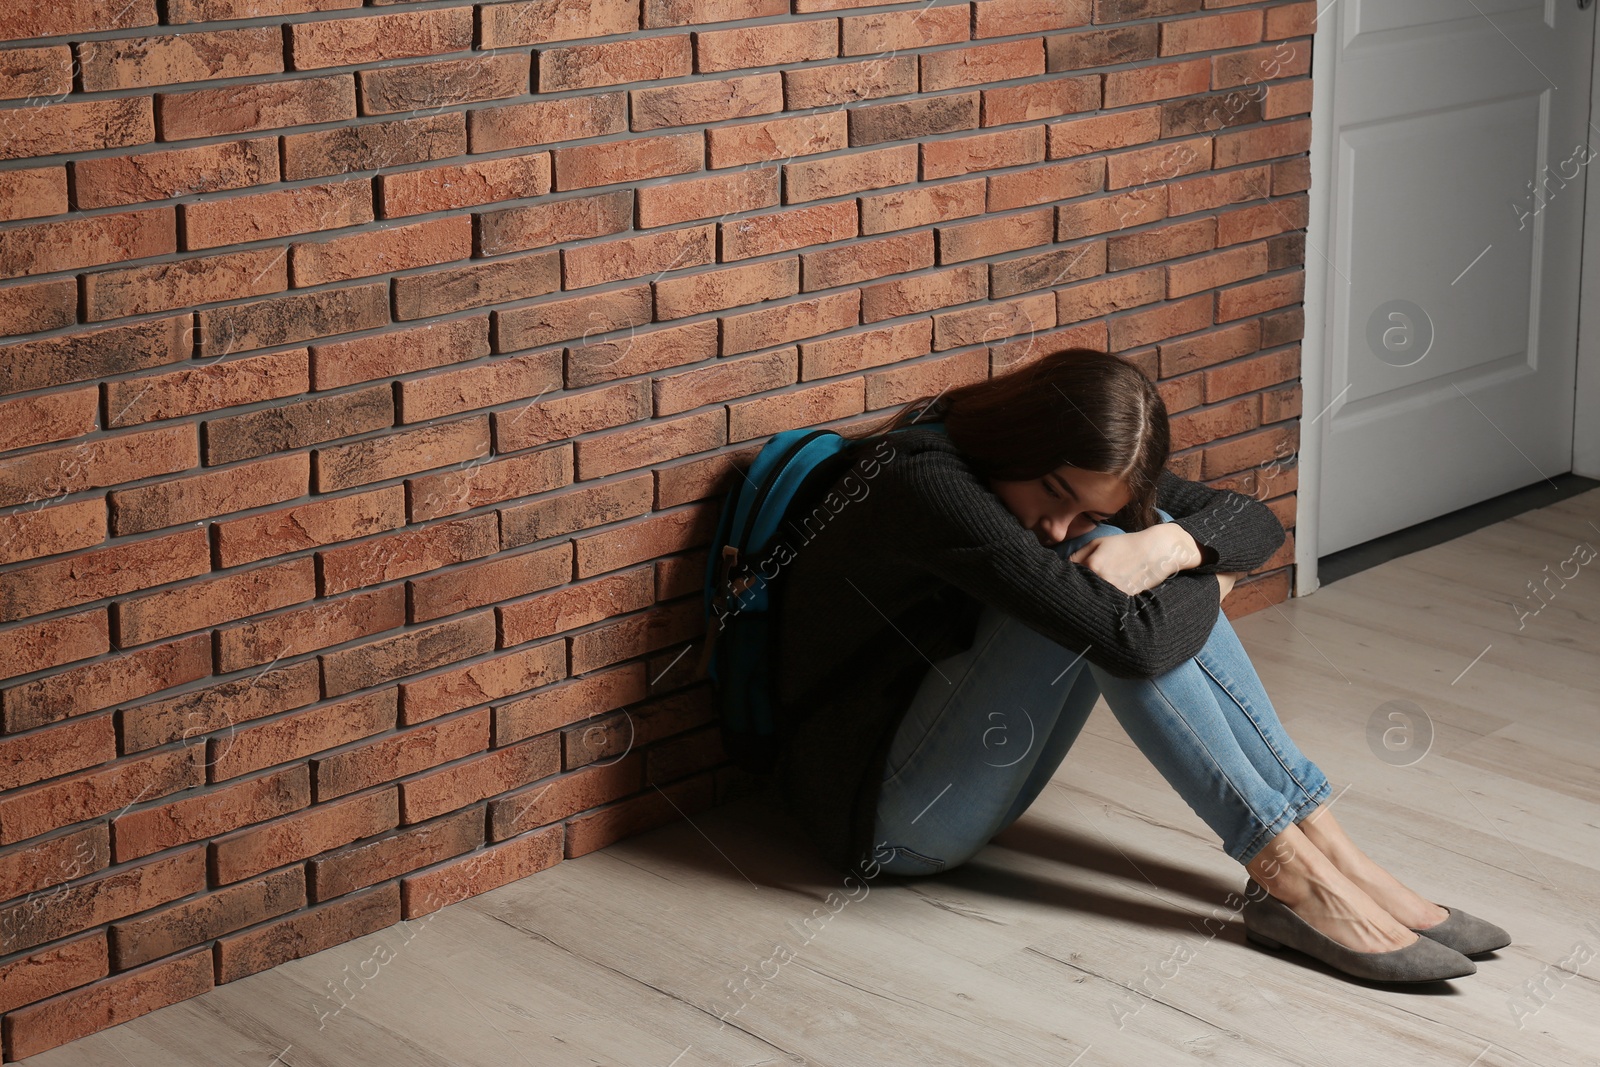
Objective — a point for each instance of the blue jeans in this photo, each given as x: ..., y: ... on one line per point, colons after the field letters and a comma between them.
x: 989, y: 726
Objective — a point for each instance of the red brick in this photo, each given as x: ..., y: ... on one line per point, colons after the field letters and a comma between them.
x: 299, y: 734
x: 1104, y: 214
x: 1251, y: 66
x: 631, y: 448
x: 552, y: 321
x: 38, y: 809
x: 993, y: 236
x: 304, y: 932
x: 79, y: 1012
x: 1181, y: 357
x: 375, y: 38
x: 1162, y: 322
x: 984, y: 151
x: 1021, y: 274
x: 867, y: 260
x: 783, y: 323
x: 544, y: 121
x: 179, y: 11
x: 373, y: 145
x: 114, y: 180
x: 922, y: 205
x: 62, y: 749
x: 865, y: 348
x: 914, y: 119
x: 765, y: 46
x: 479, y: 777
x: 461, y: 490
x: 1249, y: 375
x: 1162, y: 81
x: 400, y: 555
x: 817, y: 179
x: 292, y: 426
x: 729, y: 380
x: 1264, y: 295
x: 634, y: 257
x: 480, y: 871
x: 1040, y: 99
x: 564, y: 796
x: 21, y: 23
x: 716, y: 290
x: 1143, y: 166
x: 198, y: 816
x: 1041, y: 185
x: 982, y: 63
x: 1210, y: 33
x: 393, y: 853
x: 994, y: 321
x: 119, y: 568
x: 261, y: 216
x: 115, y: 294
x: 561, y: 705
x: 1163, y: 242
x: 784, y: 231
x: 219, y: 706
x: 212, y: 387
x: 1217, y: 269
x: 125, y: 457
x: 56, y: 129
x: 624, y: 62
x: 844, y: 83
x: 487, y: 181
x: 706, y: 100
x: 402, y: 753
x: 427, y: 87
x: 396, y: 455
x: 1290, y: 20
x: 1218, y: 190
x: 34, y: 192
x: 1002, y: 18
x: 199, y: 605
x: 288, y: 319
x: 541, y: 21
x: 92, y: 687
x: 138, y: 62
x: 924, y: 292
x: 1263, y: 142
x: 1102, y: 296
x: 382, y: 251
x: 37, y: 420
x: 499, y: 280
x: 704, y: 198
x: 689, y: 12
x: 554, y: 222
x: 53, y: 861
x: 889, y: 32
x: 263, y: 105
x: 51, y: 530
x: 1264, y: 220
x: 64, y: 965
x: 200, y: 919
x: 87, y: 242
x: 577, y: 604
x: 365, y: 359
x: 193, y: 499
x: 99, y: 899
x: 318, y: 625
x: 634, y: 159
x: 501, y: 676
x: 1077, y: 137
x: 40, y: 645
x: 753, y: 142
x: 318, y: 829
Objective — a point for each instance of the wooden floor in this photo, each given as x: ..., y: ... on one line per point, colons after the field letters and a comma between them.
x: 1081, y: 935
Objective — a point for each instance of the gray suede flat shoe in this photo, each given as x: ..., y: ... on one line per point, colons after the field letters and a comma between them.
x: 1467, y: 934
x: 1270, y: 922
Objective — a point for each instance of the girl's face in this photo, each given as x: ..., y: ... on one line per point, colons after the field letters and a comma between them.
x: 1065, y: 503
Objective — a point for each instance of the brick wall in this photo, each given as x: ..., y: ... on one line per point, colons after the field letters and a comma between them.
x: 372, y: 375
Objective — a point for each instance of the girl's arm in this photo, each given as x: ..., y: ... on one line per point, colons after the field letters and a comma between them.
x: 1235, y: 532
x: 932, y: 511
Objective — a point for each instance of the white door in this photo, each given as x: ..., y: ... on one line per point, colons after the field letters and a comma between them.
x: 1460, y: 133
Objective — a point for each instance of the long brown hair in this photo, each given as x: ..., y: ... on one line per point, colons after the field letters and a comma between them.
x: 1080, y: 406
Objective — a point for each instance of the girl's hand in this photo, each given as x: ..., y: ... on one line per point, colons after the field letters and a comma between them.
x: 1143, y: 559
x: 1226, y: 579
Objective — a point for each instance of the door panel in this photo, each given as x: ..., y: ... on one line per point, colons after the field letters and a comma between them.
x: 1456, y: 226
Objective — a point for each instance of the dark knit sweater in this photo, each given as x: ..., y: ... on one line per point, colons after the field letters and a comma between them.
x: 898, y: 562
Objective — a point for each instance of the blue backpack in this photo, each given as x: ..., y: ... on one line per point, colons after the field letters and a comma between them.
x: 742, y: 585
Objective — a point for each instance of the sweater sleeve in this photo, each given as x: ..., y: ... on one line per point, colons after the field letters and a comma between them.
x: 939, y: 516
x: 1241, y: 532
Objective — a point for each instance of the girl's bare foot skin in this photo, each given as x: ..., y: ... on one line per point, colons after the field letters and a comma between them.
x: 1294, y: 870
x: 1415, y: 911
